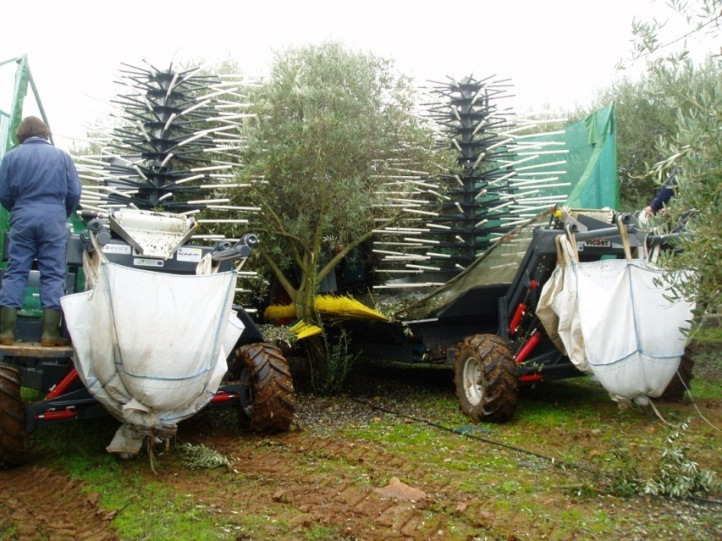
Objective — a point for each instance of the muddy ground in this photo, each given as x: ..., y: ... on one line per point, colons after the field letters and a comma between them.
x: 390, y: 459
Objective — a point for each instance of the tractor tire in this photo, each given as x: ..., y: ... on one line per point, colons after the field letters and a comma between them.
x: 485, y: 378
x: 267, y: 402
x: 12, y: 419
x: 680, y: 382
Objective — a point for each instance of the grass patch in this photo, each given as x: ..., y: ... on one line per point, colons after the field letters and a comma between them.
x: 324, y: 533
x: 475, y: 488
x: 710, y: 390
x: 709, y: 335
x: 145, y: 509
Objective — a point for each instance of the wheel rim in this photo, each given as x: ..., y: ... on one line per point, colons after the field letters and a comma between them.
x: 246, y: 394
x: 473, y: 387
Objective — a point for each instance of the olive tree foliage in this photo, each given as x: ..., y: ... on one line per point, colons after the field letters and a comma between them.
x: 334, y: 127
x: 648, y: 106
x: 693, y: 149
x: 695, y: 152
x: 335, y: 131
x: 644, y: 115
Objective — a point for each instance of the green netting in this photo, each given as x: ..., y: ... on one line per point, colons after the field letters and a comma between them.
x: 589, y: 181
x: 590, y: 171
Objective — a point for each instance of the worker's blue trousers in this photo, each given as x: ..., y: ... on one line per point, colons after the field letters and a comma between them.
x: 42, y: 234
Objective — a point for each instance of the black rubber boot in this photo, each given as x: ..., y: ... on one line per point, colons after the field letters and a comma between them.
x: 8, y: 318
x: 51, y: 329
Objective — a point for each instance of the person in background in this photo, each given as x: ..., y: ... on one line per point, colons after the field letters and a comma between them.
x: 40, y: 187
x: 664, y: 194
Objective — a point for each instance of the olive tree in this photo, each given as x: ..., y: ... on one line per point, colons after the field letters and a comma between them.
x: 695, y: 153
x: 335, y: 131
x: 644, y: 115
x: 694, y: 150
x: 648, y: 105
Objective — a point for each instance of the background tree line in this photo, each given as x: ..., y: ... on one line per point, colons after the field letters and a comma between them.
x: 670, y: 120
x: 333, y: 128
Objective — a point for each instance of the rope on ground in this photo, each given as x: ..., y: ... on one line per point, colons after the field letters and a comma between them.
x: 658, y: 414
x: 150, y: 444
x: 553, y: 460
x: 689, y: 392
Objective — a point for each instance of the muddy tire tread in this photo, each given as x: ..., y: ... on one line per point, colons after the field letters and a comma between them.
x: 12, y: 419
x: 500, y: 392
x: 273, y: 392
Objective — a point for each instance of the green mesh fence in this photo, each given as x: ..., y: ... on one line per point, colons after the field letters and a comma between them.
x: 589, y: 181
x: 590, y: 171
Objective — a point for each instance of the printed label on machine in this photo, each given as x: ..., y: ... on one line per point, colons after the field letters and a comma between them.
x: 116, y: 249
x: 598, y: 243
x: 144, y: 262
x: 193, y: 255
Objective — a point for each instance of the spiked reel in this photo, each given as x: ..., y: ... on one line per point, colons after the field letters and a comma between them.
x: 502, y: 180
x: 170, y: 157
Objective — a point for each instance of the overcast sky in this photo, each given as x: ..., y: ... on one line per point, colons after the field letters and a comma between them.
x: 556, y: 52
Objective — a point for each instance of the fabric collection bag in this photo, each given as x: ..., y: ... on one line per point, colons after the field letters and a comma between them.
x: 150, y: 346
x: 557, y: 306
x: 616, y: 321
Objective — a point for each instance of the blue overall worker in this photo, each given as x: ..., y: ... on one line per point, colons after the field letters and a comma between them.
x: 40, y: 187
x: 663, y: 196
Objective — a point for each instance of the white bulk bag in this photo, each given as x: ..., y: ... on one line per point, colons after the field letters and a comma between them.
x: 632, y: 334
x: 557, y: 311
x: 150, y: 345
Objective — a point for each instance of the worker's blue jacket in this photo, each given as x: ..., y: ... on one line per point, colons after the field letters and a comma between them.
x: 40, y: 187
x: 36, y: 174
